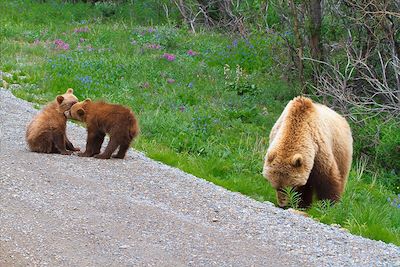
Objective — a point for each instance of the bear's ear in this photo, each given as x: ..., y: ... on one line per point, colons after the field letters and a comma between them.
x: 70, y: 91
x: 297, y: 160
x: 80, y: 112
x: 60, y: 99
x: 87, y: 100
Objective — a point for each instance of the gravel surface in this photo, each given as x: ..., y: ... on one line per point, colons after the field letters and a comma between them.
x: 69, y: 211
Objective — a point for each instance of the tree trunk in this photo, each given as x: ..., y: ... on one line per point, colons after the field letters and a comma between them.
x: 299, y: 44
x: 315, y: 29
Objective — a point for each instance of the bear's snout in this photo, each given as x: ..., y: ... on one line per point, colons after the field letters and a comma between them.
x: 282, y: 198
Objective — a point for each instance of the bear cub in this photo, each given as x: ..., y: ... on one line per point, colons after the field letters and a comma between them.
x: 103, y: 118
x: 46, y: 133
x: 310, y: 150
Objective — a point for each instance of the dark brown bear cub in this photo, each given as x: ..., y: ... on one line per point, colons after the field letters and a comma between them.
x: 102, y: 118
x: 46, y: 133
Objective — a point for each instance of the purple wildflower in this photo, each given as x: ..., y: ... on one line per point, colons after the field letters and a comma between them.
x: 235, y: 43
x: 81, y: 40
x: 36, y: 42
x: 190, y: 52
x: 153, y: 46
x: 86, y: 79
x: 395, y: 202
x: 145, y: 85
x: 169, y: 80
x: 182, y: 108
x: 169, y: 57
x: 190, y: 85
x: 61, y: 45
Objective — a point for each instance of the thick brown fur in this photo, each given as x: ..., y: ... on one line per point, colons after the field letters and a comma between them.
x: 46, y: 133
x: 310, y: 150
x: 103, y: 118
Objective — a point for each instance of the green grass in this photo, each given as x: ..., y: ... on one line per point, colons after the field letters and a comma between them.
x: 210, y: 121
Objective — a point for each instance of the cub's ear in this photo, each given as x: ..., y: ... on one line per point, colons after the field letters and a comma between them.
x: 70, y: 91
x: 80, y: 112
x: 297, y: 160
x: 86, y: 101
x: 60, y: 99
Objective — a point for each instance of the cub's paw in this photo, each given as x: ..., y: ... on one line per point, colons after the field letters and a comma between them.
x: 66, y: 153
x: 83, y: 154
x: 101, y: 156
x: 118, y: 156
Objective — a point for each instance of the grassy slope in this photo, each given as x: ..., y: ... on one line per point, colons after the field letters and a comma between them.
x: 196, y: 122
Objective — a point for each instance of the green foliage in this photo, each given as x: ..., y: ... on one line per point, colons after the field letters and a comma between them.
x: 194, y: 114
x: 380, y: 142
x: 239, y: 81
x: 107, y: 8
x: 166, y: 37
x: 364, y: 210
x: 293, y: 197
x: 252, y: 54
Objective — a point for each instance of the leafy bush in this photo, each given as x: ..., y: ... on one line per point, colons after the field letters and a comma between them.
x: 380, y: 143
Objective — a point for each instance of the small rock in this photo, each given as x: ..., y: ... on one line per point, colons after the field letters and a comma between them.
x: 124, y: 247
x: 5, y: 84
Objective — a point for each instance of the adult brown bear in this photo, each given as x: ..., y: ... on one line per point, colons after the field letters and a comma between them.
x: 310, y: 150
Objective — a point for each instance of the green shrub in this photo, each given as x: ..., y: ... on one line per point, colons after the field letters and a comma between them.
x: 380, y: 143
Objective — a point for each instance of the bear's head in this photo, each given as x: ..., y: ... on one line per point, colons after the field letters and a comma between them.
x: 66, y: 100
x: 286, y: 169
x: 78, y: 110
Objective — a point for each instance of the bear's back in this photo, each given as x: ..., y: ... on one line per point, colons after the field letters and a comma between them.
x: 108, y: 116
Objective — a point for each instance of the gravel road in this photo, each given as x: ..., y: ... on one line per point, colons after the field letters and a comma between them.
x: 69, y: 211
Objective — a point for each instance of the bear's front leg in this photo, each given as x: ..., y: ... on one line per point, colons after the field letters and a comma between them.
x: 90, y: 145
x: 329, y: 184
x: 306, y: 194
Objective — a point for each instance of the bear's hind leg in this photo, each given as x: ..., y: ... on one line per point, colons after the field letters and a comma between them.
x: 123, y: 148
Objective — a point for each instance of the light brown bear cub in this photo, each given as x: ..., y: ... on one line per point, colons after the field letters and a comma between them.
x: 310, y: 149
x: 102, y: 118
x: 46, y: 133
